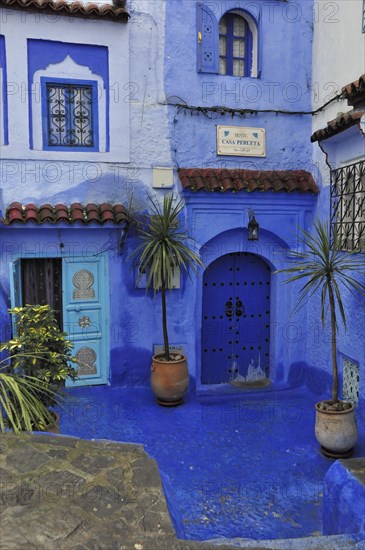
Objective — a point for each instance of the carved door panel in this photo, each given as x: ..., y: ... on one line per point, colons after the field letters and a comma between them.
x: 236, y: 319
x: 85, y: 316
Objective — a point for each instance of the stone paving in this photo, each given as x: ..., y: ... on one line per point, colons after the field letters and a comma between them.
x: 61, y: 492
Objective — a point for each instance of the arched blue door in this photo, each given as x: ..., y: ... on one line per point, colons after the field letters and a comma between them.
x: 236, y: 319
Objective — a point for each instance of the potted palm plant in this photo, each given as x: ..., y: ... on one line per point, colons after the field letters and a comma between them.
x: 164, y: 250
x: 327, y: 270
x: 39, y: 358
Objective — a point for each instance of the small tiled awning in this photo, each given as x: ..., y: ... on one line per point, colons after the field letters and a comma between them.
x: 209, y: 179
x: 355, y: 95
x: 355, y: 91
x: 344, y: 121
x: 76, y: 212
x: 74, y: 9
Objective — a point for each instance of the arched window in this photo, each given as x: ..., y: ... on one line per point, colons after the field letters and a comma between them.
x: 228, y: 46
x: 235, y: 45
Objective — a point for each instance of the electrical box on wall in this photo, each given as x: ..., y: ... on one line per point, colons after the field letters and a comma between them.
x: 141, y: 279
x: 163, y: 178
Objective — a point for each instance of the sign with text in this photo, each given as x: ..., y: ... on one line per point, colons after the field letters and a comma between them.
x: 174, y: 348
x: 241, y: 141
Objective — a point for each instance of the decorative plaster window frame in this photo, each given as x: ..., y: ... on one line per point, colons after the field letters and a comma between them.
x: 76, y: 74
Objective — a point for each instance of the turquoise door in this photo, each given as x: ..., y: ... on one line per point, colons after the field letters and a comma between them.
x: 85, y: 316
x: 15, y: 280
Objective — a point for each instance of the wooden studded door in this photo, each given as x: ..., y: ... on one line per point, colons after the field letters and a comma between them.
x: 236, y: 319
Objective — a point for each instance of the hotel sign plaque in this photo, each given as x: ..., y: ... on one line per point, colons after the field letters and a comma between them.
x: 241, y: 141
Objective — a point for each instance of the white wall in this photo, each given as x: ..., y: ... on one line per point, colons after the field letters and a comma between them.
x: 338, y: 53
x: 338, y: 59
x: 17, y: 28
x: 139, y: 130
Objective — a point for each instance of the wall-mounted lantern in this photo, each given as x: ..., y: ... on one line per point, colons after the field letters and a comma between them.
x: 253, y: 227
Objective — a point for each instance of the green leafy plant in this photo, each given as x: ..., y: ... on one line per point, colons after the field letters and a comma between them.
x: 40, y: 351
x: 327, y: 270
x: 164, y: 250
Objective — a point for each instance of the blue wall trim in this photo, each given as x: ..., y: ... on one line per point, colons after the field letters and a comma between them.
x: 4, y: 90
x: 95, y: 120
x: 208, y: 47
x: 42, y: 53
x: 343, y: 500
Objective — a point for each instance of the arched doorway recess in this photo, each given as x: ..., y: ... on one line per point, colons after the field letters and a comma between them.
x: 236, y: 320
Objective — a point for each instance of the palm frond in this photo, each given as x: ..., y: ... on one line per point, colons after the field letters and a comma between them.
x: 323, y: 264
x: 20, y: 407
x: 164, y: 246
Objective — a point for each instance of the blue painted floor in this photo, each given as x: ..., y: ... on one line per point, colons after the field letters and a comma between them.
x: 246, y: 466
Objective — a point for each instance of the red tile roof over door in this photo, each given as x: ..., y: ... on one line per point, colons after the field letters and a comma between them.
x: 76, y: 212
x: 88, y: 10
x: 222, y: 180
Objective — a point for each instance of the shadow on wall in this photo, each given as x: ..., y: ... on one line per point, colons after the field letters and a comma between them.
x: 130, y: 366
x: 317, y: 381
x: 109, y: 187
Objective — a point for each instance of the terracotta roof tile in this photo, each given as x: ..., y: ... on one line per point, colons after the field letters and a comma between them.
x: 45, y: 213
x: 61, y: 213
x: 75, y: 213
x: 119, y: 213
x: 355, y: 91
x: 31, y: 213
x: 338, y: 125
x: 222, y: 180
x: 15, y: 214
x: 74, y: 9
x: 92, y: 213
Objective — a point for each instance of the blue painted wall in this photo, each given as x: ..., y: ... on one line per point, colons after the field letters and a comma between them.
x: 285, y: 40
x: 217, y: 221
x: 342, y: 149
x: 343, y: 500
x: 163, y: 49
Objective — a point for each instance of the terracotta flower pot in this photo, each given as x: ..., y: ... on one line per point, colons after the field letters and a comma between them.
x: 53, y: 427
x: 336, y: 431
x: 169, y: 379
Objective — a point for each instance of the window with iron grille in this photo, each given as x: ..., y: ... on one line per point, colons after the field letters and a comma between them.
x: 348, y: 205
x: 235, y: 46
x: 69, y: 115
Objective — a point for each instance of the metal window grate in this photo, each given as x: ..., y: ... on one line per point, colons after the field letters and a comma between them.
x: 351, y: 381
x: 69, y: 115
x: 348, y: 205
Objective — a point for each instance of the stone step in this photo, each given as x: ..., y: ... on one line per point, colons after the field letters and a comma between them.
x: 330, y: 542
